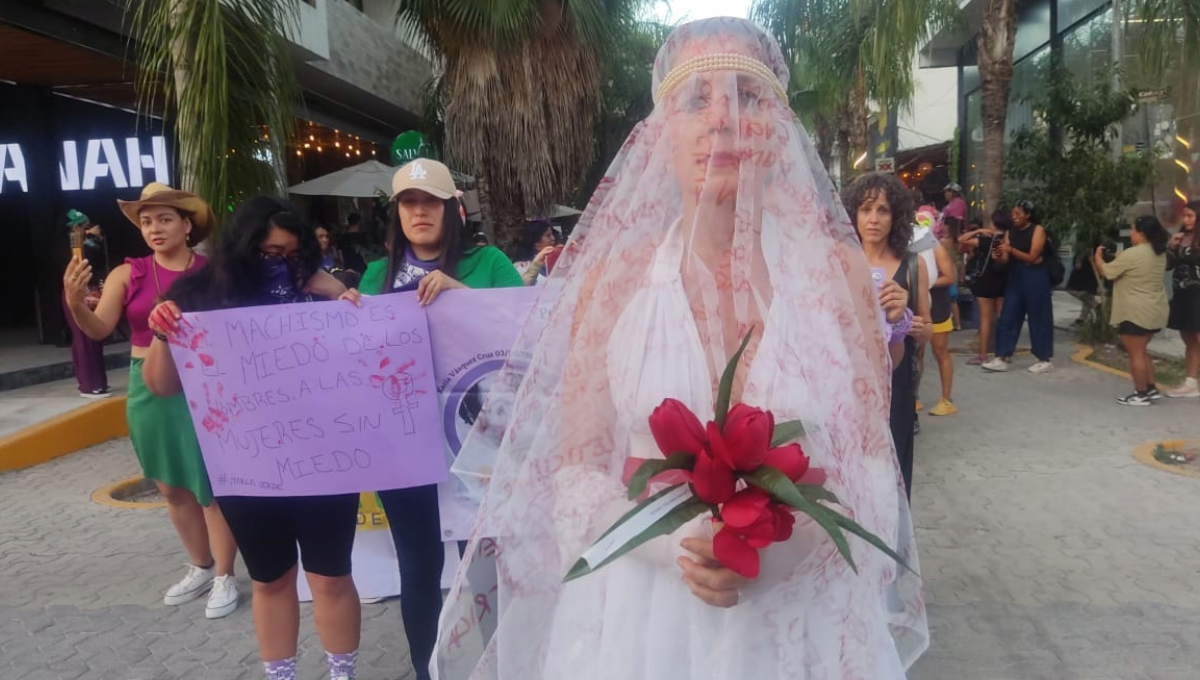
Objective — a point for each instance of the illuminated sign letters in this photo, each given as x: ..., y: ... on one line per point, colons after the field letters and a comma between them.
x: 12, y: 167
x: 102, y: 160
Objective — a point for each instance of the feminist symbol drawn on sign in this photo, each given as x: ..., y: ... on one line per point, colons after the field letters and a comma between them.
x: 400, y: 389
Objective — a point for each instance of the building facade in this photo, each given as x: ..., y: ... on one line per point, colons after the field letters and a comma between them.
x: 1093, y: 41
x: 71, y: 136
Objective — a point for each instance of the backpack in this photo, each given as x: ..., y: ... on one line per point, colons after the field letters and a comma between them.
x: 1054, y: 265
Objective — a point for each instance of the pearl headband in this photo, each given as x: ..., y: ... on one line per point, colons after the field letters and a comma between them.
x: 719, y: 62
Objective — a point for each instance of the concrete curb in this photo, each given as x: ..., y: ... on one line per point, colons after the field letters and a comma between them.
x: 1144, y: 454
x: 65, y: 434
x: 107, y: 496
x: 1082, y: 352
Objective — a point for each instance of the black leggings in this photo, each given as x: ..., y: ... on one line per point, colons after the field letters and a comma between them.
x: 416, y: 530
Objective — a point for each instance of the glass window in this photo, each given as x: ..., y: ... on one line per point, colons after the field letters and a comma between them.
x: 1087, y: 49
x: 1033, y: 28
x: 1168, y: 124
x: 972, y: 159
x: 1071, y: 12
x: 1027, y: 83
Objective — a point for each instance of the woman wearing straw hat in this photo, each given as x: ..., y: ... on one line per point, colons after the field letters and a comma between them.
x: 171, y: 222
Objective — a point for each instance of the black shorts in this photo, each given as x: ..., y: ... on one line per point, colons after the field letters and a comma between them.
x: 1130, y: 328
x: 267, y: 531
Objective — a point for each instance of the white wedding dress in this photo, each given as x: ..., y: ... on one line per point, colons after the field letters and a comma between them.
x: 806, y: 617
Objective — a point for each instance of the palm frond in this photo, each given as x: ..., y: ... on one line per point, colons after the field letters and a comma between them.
x: 224, y: 74
x: 521, y: 87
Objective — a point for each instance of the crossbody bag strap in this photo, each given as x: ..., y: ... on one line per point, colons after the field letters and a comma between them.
x: 914, y: 280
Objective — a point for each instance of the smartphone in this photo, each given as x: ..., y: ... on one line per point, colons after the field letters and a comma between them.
x: 878, y: 275
x: 77, y: 242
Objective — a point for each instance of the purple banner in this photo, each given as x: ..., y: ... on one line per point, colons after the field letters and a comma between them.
x: 472, y: 332
x: 314, y: 398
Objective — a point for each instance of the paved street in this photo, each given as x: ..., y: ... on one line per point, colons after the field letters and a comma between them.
x: 1048, y: 552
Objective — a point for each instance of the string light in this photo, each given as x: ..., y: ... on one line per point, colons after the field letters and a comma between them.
x: 357, y: 153
x: 319, y: 149
x: 299, y: 153
x: 337, y: 144
x: 307, y: 145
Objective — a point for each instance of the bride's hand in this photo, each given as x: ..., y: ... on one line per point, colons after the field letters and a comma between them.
x: 707, y: 579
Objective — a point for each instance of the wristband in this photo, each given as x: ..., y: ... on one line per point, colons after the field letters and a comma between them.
x: 901, y: 328
x: 162, y: 336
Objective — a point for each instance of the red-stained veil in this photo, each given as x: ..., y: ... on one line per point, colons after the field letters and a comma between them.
x: 715, y: 218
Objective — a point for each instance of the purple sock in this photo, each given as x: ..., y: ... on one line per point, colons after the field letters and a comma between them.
x: 342, y: 666
x: 283, y: 669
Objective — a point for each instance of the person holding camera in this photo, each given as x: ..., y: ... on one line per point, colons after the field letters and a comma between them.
x: 986, y: 277
x: 1139, y: 303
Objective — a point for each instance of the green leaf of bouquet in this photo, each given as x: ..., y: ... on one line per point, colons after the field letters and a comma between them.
x: 816, y: 493
x: 726, y: 388
x: 672, y: 521
x: 679, y: 460
x: 778, y: 485
x: 858, y: 530
x: 787, y: 432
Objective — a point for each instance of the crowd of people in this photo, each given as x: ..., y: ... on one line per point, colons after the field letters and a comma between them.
x: 665, y: 274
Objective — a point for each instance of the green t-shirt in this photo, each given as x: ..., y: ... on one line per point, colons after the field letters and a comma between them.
x: 480, y: 267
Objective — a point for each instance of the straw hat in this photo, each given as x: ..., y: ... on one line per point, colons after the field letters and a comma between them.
x: 156, y: 193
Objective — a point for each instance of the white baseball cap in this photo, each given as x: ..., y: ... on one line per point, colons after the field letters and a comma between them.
x: 425, y: 175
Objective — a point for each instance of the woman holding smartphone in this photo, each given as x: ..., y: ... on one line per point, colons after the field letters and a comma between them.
x: 160, y: 428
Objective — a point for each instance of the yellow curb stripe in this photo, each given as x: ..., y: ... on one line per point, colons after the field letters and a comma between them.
x: 70, y: 432
x: 1144, y: 454
x: 1082, y: 352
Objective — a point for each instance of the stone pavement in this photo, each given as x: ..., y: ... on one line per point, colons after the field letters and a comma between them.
x: 1048, y: 553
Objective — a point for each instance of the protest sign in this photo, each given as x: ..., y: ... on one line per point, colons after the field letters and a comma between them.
x: 471, y: 332
x: 313, y: 398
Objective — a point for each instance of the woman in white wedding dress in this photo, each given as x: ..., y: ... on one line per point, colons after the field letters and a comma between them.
x: 716, y: 218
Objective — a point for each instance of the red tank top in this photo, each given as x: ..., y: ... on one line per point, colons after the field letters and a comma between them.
x: 142, y: 293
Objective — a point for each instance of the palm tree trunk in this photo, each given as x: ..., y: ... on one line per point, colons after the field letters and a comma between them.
x: 182, y: 50
x: 996, y: 38
x: 845, y: 148
x: 859, y: 134
x: 825, y: 132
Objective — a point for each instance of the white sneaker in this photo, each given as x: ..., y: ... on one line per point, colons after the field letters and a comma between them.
x: 996, y: 365
x: 197, y: 582
x: 1184, y: 392
x: 1134, y: 399
x: 223, y: 598
x: 1041, y: 367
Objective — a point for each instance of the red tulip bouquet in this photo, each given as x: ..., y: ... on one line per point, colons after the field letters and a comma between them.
x: 744, y: 468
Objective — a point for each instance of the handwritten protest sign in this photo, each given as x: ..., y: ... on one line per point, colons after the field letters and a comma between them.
x: 472, y: 332
x: 314, y: 398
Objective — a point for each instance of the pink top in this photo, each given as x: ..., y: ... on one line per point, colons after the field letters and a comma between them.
x: 956, y: 208
x: 142, y: 294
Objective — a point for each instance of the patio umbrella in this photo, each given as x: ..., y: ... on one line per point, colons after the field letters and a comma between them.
x: 364, y: 180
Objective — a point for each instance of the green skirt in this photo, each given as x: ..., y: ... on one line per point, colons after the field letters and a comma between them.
x: 164, y: 438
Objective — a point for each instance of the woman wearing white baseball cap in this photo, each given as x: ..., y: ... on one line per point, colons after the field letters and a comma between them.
x: 428, y: 253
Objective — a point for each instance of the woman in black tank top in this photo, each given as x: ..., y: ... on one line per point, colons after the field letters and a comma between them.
x: 881, y: 209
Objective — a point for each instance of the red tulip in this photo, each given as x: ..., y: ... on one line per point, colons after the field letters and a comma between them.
x: 752, y: 521
x: 712, y: 480
x: 744, y: 442
x: 790, y: 460
x: 676, y: 428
